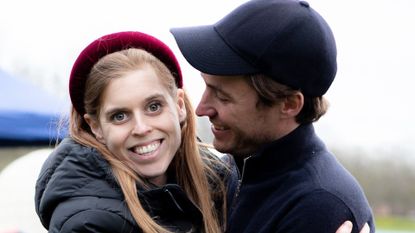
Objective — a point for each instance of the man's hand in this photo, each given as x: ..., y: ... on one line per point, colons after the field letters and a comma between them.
x: 348, y: 226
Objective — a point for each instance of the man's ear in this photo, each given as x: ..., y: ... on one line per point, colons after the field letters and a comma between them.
x: 293, y: 104
x: 95, y: 127
x: 181, y: 106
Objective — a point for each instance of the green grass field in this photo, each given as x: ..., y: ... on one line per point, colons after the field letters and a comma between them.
x: 395, y: 223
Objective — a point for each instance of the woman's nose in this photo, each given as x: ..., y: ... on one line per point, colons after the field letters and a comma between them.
x: 141, y: 126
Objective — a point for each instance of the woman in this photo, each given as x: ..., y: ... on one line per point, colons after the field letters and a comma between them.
x: 132, y: 162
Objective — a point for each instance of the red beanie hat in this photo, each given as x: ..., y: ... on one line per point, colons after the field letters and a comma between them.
x: 112, y: 43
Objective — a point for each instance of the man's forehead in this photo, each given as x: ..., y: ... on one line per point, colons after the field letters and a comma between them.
x: 219, y: 80
x: 229, y: 85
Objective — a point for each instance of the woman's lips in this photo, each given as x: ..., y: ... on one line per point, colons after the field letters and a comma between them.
x: 147, y: 149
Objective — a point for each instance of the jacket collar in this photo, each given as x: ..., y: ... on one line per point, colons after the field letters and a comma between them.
x: 280, y: 155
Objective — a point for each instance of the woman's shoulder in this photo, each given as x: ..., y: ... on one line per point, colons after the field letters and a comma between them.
x: 69, y: 149
x: 72, y: 170
x: 71, y: 159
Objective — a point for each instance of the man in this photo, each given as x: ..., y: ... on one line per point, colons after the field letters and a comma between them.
x: 267, y: 65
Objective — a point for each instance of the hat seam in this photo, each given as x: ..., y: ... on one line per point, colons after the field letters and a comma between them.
x: 235, y: 50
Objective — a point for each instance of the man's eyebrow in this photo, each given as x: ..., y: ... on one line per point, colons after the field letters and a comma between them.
x: 211, y: 86
x: 218, y: 88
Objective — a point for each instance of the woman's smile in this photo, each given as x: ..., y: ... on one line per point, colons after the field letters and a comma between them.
x: 146, y: 152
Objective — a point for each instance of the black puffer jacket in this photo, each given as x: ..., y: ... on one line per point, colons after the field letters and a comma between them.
x: 76, y: 192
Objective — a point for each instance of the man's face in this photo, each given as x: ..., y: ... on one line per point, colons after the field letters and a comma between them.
x: 239, y: 126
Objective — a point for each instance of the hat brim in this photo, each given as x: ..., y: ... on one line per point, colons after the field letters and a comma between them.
x: 207, y: 52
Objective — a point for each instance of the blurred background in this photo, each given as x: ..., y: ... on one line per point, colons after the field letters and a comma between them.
x: 368, y: 126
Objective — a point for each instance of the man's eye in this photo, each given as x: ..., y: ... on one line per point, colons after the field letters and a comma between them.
x: 154, y: 107
x: 221, y: 97
x: 118, y: 117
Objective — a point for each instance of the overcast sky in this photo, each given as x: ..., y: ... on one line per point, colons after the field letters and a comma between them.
x: 371, y: 97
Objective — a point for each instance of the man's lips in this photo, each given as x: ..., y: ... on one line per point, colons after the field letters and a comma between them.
x: 218, y: 127
x: 220, y: 131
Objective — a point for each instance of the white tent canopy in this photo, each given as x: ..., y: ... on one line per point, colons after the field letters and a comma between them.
x: 17, y: 182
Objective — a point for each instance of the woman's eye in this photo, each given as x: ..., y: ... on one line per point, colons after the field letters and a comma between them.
x: 118, y: 117
x: 154, y: 107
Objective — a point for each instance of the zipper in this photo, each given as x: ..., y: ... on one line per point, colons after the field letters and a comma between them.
x: 166, y: 190
x: 238, y: 188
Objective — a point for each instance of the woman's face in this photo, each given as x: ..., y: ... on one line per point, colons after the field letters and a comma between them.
x: 139, y: 119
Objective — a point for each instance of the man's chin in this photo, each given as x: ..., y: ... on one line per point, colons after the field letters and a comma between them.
x: 221, y: 146
x: 231, y: 147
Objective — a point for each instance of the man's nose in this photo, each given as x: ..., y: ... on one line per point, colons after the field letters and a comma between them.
x: 205, y: 108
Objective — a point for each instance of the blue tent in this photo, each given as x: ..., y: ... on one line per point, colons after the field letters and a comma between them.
x: 29, y: 115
